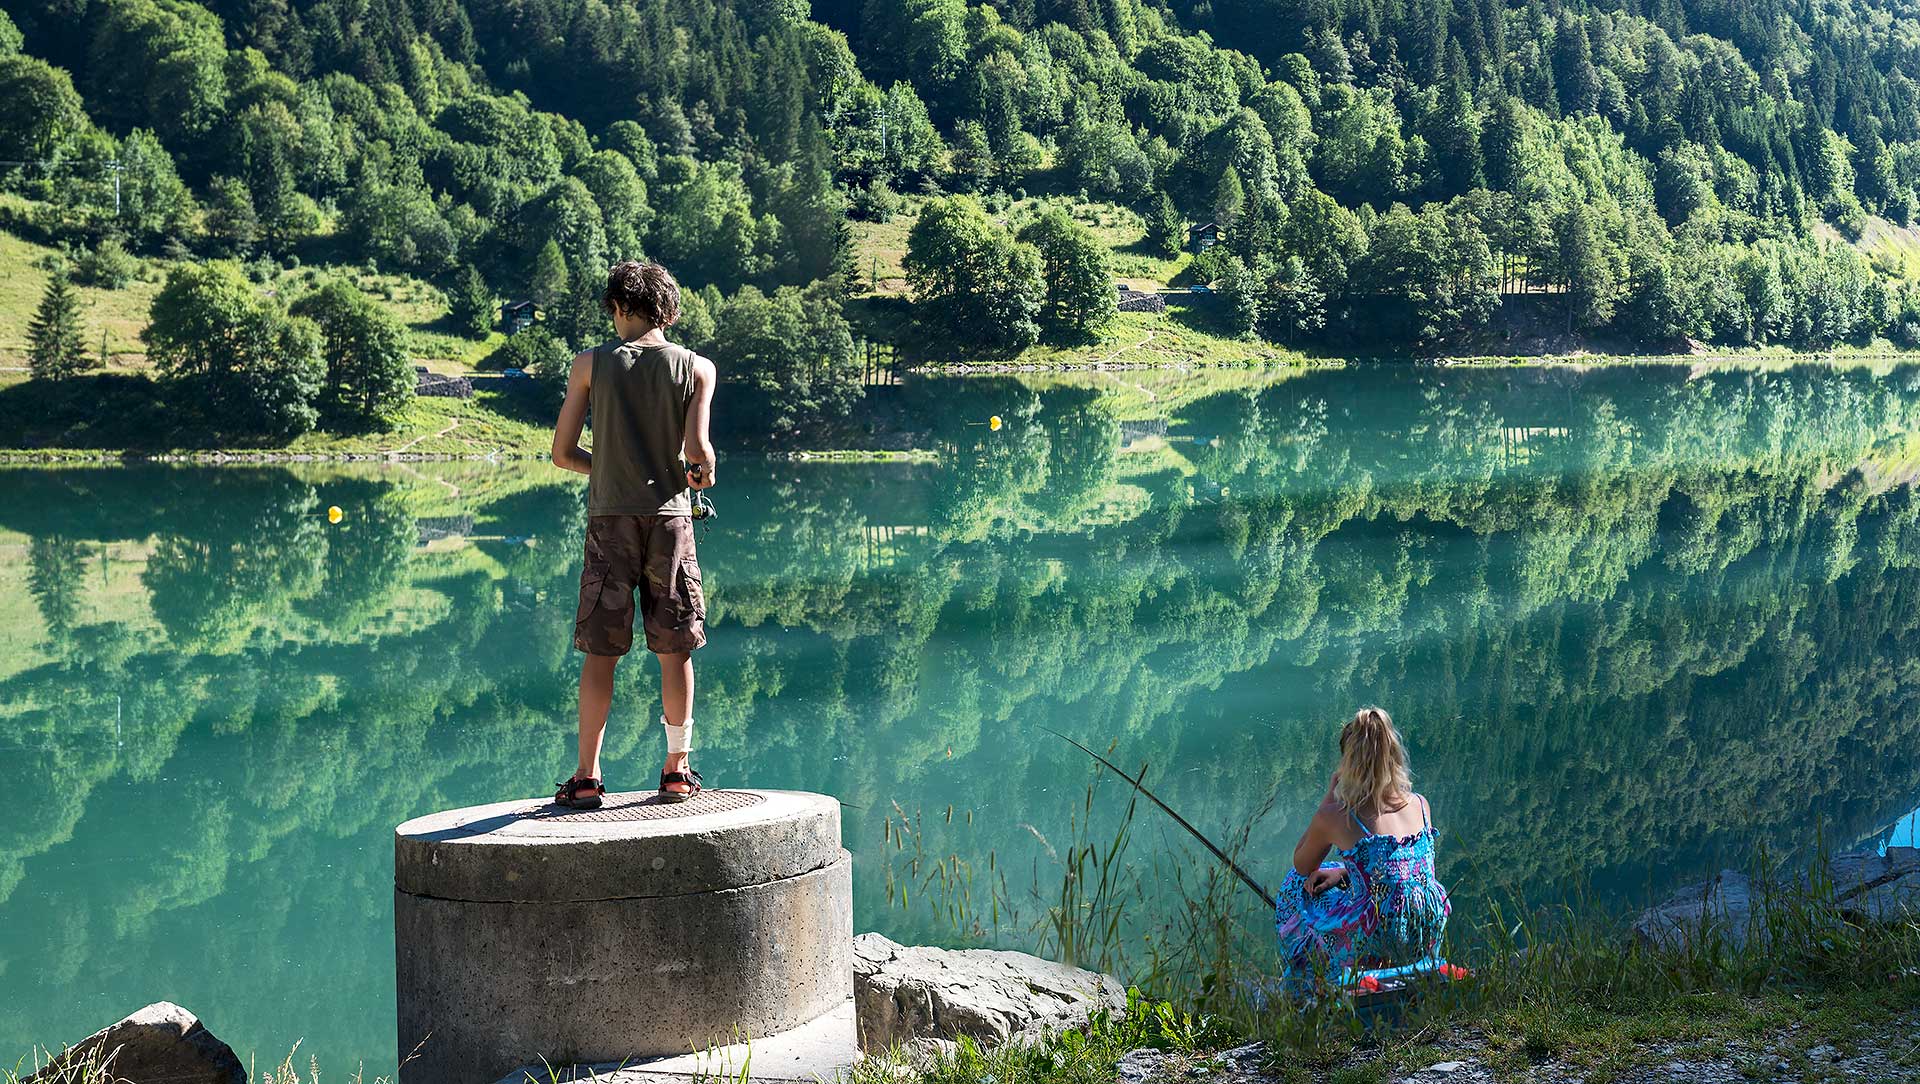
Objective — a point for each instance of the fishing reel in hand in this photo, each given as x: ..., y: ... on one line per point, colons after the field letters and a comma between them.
x: 703, y: 511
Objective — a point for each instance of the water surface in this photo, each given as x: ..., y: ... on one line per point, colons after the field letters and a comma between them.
x: 1633, y: 621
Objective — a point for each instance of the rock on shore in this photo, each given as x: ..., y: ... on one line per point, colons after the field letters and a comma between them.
x: 914, y: 995
x: 160, y: 1044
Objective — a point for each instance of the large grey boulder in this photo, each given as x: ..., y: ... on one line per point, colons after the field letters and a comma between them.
x: 1725, y: 904
x: 1878, y: 888
x: 161, y: 1044
x: 905, y: 996
x: 1867, y: 887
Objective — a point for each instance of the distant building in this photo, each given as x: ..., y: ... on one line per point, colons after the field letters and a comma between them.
x: 518, y: 315
x: 1203, y: 236
x: 1139, y: 301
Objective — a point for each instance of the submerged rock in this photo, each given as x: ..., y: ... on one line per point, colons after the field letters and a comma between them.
x: 1879, y: 888
x: 160, y: 1044
x: 1867, y: 887
x: 906, y: 994
x: 1722, y: 906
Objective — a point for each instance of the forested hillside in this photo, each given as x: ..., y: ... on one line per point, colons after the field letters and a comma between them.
x: 1383, y: 172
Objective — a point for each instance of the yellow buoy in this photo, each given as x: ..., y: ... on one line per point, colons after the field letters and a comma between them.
x: 334, y: 514
x: 993, y: 423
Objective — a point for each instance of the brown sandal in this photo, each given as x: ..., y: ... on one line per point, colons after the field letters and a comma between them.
x: 690, y: 777
x: 580, y: 794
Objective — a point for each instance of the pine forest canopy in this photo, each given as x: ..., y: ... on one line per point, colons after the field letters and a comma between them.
x: 1382, y: 169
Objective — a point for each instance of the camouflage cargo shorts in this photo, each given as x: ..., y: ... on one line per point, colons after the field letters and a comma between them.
x: 655, y: 555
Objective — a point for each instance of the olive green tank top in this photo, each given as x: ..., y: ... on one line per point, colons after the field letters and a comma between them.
x: 639, y: 398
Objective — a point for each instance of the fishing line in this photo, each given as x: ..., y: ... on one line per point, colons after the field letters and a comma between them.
x: 1141, y: 786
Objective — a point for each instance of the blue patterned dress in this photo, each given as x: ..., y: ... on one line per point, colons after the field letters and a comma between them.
x: 1391, y: 910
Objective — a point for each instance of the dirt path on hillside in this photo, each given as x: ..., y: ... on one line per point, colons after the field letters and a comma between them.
x: 451, y: 426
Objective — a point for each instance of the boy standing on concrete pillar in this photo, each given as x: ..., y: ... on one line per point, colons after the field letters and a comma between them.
x: 651, y: 401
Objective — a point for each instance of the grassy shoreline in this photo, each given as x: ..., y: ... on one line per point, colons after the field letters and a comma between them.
x: 1583, y: 1000
x: 1560, y: 994
x: 484, y: 429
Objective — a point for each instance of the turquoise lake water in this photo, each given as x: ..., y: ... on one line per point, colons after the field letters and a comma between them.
x: 1634, y: 622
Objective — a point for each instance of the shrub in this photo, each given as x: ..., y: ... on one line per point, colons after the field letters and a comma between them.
x: 874, y: 203
x: 1208, y: 266
x: 109, y: 266
x: 536, y: 351
x: 1844, y: 211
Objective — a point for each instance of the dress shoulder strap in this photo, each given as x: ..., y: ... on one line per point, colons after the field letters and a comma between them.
x: 1426, y: 815
x: 1364, y: 830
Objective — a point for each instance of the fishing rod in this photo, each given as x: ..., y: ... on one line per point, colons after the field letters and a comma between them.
x: 1140, y: 785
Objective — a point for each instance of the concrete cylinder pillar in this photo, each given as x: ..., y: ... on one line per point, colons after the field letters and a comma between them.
x: 525, y: 931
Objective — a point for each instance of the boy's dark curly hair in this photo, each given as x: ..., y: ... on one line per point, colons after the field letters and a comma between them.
x: 642, y: 289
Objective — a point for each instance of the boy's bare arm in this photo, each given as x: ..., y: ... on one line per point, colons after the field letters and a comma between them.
x: 699, y: 449
x: 567, y: 453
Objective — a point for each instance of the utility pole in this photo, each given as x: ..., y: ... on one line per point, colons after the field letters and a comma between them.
x: 112, y: 165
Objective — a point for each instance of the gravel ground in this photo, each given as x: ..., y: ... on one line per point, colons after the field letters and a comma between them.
x: 1792, y: 1054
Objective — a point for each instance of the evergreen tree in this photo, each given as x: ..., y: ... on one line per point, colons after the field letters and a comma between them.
x: 231, y: 223
x: 56, y: 348
x: 973, y: 164
x: 1574, y: 75
x: 1502, y: 144
x: 284, y: 216
x: 56, y: 575
x: 1453, y: 131
x: 1241, y: 288
x: 549, y: 282
x: 1581, y: 265
x: 1166, y: 227
x: 577, y: 319
x: 1294, y: 306
x: 1874, y: 176
x: 472, y: 307
x: 1228, y: 197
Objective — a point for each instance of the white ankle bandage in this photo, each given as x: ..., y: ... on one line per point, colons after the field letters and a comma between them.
x: 679, y: 738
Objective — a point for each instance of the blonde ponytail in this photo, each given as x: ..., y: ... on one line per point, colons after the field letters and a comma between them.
x: 1373, y: 764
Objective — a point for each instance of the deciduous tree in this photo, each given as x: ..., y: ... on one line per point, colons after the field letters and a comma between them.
x: 980, y: 289
x: 238, y: 359
x: 1078, y: 274
x: 369, y: 378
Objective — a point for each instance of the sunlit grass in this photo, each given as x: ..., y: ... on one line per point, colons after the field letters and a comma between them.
x: 119, y: 314
x: 491, y: 423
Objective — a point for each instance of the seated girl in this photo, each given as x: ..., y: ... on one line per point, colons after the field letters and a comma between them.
x: 1377, y: 903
